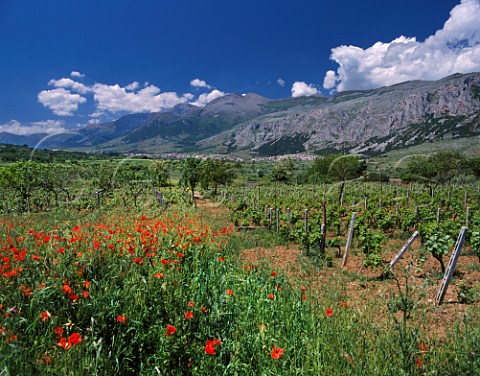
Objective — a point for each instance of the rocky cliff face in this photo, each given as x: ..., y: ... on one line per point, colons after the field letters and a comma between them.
x: 366, y: 121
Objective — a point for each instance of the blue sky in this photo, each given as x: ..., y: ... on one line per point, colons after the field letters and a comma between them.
x: 66, y: 63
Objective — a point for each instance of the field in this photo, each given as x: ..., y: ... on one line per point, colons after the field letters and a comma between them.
x: 124, y: 279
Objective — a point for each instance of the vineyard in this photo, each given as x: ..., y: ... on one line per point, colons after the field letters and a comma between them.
x: 135, y: 267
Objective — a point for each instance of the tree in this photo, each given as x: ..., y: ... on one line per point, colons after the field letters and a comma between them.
x: 24, y: 177
x: 160, y: 172
x: 337, y: 168
x: 105, y: 176
x: 474, y: 165
x: 283, y: 170
x: 59, y: 177
x: 135, y: 178
x: 216, y: 172
x: 190, y: 170
x: 435, y: 169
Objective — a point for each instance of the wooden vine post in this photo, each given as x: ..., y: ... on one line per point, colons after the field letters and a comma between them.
x: 346, y: 253
x: 277, y: 220
x: 323, y: 229
x: 403, y: 250
x: 451, y: 266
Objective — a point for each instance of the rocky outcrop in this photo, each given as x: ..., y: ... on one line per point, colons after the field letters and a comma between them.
x: 366, y: 120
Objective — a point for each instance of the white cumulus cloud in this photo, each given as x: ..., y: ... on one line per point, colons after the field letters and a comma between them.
x: 48, y: 126
x: 68, y: 83
x: 199, y: 83
x: 302, y: 89
x: 204, y: 99
x: 76, y: 74
x: 330, y: 80
x: 453, y: 49
x: 280, y: 82
x: 114, y: 98
x: 67, y: 94
x: 133, y: 86
x: 61, y: 101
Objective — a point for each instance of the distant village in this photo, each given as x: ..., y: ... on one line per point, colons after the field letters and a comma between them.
x: 297, y: 157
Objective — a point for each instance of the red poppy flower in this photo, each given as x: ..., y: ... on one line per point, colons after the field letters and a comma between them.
x: 221, y: 259
x: 188, y: 315
x: 210, y: 346
x: 122, y: 319
x: 67, y: 290
x: 229, y: 292
x: 138, y: 260
x: 26, y: 291
x: 58, y: 332
x: 209, y: 349
x: 274, y: 274
x: 63, y: 343
x: 75, y: 339
x: 329, y: 312
x: 85, y: 294
x: 271, y: 296
x: 191, y: 304
x: 276, y: 352
x: 419, y: 362
x: 170, y: 330
x: 44, y: 315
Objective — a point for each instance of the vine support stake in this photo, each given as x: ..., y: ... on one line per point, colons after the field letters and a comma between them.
x: 277, y: 220
x: 403, y: 250
x: 451, y: 266
x: 346, y: 253
x: 323, y: 236
x: 270, y: 218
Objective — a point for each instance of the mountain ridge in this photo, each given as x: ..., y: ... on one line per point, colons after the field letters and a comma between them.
x: 360, y: 121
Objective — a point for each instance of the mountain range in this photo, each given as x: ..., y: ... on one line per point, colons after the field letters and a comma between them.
x: 360, y: 121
